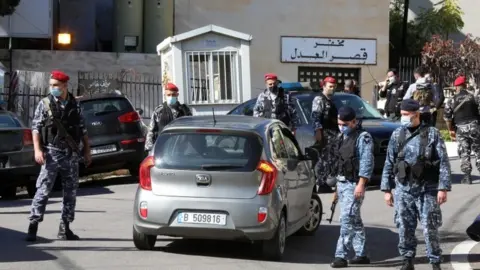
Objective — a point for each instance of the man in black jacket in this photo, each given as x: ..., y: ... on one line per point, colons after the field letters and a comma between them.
x: 438, y: 98
x: 394, y: 91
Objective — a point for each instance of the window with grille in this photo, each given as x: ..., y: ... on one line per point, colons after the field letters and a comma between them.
x: 212, y: 77
x: 317, y: 74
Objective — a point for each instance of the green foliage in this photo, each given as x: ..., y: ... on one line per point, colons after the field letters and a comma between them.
x: 445, y: 135
x: 443, y: 19
x: 7, y: 7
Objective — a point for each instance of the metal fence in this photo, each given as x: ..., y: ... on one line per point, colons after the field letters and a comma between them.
x: 29, y: 87
x: 406, y: 67
x: 144, y: 91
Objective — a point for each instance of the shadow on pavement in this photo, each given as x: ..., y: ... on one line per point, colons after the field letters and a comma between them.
x: 18, y: 250
x: 49, y: 212
x: 318, y: 249
x: 457, y: 178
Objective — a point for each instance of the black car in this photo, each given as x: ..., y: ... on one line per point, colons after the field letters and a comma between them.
x: 17, y: 163
x: 115, y: 132
x: 372, y: 121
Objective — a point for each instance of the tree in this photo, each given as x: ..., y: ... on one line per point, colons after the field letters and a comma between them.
x: 441, y: 21
x: 7, y: 7
x: 447, y: 59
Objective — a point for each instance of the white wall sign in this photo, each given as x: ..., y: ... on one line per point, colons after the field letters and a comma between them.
x: 328, y: 50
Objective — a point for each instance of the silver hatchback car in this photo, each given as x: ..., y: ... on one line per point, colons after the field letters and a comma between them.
x: 229, y: 178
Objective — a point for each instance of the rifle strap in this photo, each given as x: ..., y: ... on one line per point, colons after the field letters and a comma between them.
x: 460, y: 105
x: 46, y: 102
x: 402, y: 142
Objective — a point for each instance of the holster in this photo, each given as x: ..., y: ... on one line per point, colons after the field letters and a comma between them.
x: 402, y: 171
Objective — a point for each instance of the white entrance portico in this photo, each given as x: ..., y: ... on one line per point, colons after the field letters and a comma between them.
x: 211, y: 67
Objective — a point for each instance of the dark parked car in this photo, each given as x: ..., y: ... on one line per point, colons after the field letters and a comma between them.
x: 372, y: 121
x: 115, y: 133
x: 17, y: 163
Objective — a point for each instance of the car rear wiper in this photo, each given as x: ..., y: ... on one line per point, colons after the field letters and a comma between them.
x: 103, y: 112
x: 220, y: 166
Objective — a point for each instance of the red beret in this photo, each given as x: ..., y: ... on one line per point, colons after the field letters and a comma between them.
x: 329, y: 80
x: 59, y: 76
x: 271, y: 76
x: 460, y: 81
x: 171, y: 87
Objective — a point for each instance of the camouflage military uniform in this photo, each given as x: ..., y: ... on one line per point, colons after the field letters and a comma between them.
x: 62, y: 161
x: 324, y: 116
x: 162, y: 116
x: 352, y: 232
x: 468, y: 132
x: 272, y: 106
x: 417, y: 200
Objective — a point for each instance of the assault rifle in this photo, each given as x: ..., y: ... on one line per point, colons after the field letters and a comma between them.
x: 332, y: 208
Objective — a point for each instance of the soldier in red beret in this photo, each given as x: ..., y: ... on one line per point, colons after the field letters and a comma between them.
x: 58, y: 129
x: 324, y: 117
x: 462, y: 113
x: 165, y: 113
x: 274, y: 103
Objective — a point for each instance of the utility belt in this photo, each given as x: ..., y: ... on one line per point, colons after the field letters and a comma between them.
x: 67, y: 151
x: 421, y: 172
x: 349, y: 169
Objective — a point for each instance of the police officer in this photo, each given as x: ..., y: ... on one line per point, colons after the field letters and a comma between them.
x: 350, y: 87
x: 417, y: 166
x: 164, y: 114
x: 274, y: 103
x: 53, y: 143
x: 355, y: 167
x: 394, y: 92
x: 462, y: 115
x: 324, y: 119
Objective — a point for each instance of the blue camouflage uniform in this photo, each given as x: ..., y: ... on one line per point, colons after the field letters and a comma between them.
x: 276, y: 106
x: 57, y: 161
x: 415, y: 200
x: 352, y: 232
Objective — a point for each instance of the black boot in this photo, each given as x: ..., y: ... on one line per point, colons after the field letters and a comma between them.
x: 436, y: 266
x: 359, y: 260
x: 32, y: 232
x: 339, y: 263
x: 407, y: 265
x: 64, y: 232
x: 467, y: 179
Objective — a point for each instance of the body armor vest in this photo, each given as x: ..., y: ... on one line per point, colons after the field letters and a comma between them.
x: 348, y: 161
x: 330, y: 114
x: 280, y: 110
x: 468, y: 112
x: 166, y: 115
x: 70, y: 119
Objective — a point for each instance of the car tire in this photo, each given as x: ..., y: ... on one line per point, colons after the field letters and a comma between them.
x: 315, y: 211
x: 143, y: 241
x: 274, y: 248
x: 8, y: 193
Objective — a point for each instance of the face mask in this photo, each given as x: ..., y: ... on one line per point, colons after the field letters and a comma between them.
x: 329, y: 92
x: 273, y: 89
x: 55, y: 91
x: 345, y: 129
x: 391, y: 80
x: 406, y: 121
x: 171, y: 100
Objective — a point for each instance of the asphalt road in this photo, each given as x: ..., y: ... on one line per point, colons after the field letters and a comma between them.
x: 104, y: 221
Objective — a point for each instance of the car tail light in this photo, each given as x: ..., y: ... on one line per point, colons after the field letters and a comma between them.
x: 144, y: 174
x: 262, y: 214
x: 138, y: 140
x: 206, y: 130
x: 269, y: 177
x: 27, y: 137
x: 143, y: 209
x: 129, y: 117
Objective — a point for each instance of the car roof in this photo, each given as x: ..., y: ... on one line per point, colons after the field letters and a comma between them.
x: 100, y: 96
x: 226, y: 122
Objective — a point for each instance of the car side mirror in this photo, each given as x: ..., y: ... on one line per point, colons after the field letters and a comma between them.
x: 311, y: 154
x: 381, y: 111
x: 139, y: 111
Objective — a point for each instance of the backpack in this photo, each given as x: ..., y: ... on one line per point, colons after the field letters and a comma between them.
x: 424, y: 95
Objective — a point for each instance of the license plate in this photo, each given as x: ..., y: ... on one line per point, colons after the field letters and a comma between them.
x: 103, y: 149
x: 202, y: 218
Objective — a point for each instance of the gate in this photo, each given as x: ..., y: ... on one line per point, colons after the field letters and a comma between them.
x: 144, y: 91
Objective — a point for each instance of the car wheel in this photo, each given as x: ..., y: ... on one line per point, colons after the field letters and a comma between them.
x: 274, y: 248
x: 8, y: 193
x: 143, y: 241
x: 31, y: 190
x: 315, y: 212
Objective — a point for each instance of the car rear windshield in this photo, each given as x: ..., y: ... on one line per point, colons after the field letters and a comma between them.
x: 6, y: 121
x: 95, y: 106
x: 214, y: 152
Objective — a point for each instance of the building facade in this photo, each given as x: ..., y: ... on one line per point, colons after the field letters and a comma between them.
x: 303, y: 40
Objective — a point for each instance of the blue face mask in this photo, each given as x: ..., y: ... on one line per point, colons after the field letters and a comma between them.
x: 345, y: 130
x: 55, y: 91
x: 171, y: 100
x: 406, y: 121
